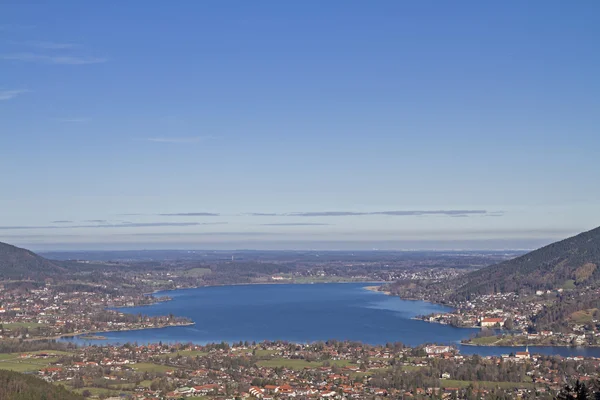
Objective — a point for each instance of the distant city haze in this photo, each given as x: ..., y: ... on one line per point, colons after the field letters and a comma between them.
x: 298, y: 125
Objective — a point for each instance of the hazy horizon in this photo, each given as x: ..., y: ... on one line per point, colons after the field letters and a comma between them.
x: 413, y: 245
x: 305, y: 124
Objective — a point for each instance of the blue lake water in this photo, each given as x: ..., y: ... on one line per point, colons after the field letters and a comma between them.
x: 304, y: 313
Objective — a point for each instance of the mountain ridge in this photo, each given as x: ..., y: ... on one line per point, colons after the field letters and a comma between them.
x: 572, y: 261
x: 19, y: 263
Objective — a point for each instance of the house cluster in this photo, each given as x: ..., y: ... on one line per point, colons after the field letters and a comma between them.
x: 49, y: 312
x: 489, y: 311
x: 517, y: 315
x: 277, y: 370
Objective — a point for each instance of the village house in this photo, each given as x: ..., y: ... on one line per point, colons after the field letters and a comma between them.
x: 491, y: 322
x: 438, y: 349
x: 523, y: 355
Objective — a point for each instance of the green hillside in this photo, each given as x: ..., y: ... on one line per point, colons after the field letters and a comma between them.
x: 17, y: 386
x: 17, y: 263
x: 566, y: 264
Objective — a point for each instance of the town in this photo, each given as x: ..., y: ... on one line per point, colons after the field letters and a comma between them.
x: 507, y: 319
x: 47, y: 312
x: 35, y: 314
x: 282, y: 370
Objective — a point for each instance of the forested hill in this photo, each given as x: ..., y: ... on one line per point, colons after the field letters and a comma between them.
x: 17, y: 263
x: 571, y: 262
x: 16, y: 386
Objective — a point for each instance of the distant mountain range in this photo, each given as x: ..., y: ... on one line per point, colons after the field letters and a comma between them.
x: 17, y: 263
x: 569, y: 263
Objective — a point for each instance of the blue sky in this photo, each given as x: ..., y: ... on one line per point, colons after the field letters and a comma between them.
x: 308, y: 124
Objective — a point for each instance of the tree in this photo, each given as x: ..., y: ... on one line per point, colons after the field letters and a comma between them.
x: 567, y: 393
x: 77, y: 383
x: 581, y: 390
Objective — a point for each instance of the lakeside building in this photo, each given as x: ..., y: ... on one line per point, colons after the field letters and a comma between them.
x: 490, y: 322
x: 438, y: 349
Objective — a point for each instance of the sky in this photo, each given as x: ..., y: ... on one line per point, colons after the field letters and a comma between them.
x: 298, y: 124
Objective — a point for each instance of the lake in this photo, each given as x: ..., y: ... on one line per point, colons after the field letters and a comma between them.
x: 303, y: 313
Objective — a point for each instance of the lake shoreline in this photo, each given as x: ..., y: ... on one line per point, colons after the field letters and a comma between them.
x: 261, y: 283
x: 530, y: 345
x: 92, y: 333
x: 308, y: 303
x: 95, y: 333
x: 387, y: 293
x: 376, y: 289
x: 369, y: 286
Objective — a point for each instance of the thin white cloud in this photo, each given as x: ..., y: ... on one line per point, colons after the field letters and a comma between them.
x: 219, y: 233
x: 11, y: 94
x: 188, y: 139
x: 191, y: 214
x: 452, y: 213
x: 296, y: 224
x: 108, y: 224
x: 53, y: 59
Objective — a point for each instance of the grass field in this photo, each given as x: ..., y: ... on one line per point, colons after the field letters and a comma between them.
x: 122, y: 386
x: 57, y: 352
x: 25, y: 365
x: 506, y: 340
x: 14, y: 362
x: 341, y: 363
x: 15, y: 325
x: 264, y: 353
x: 569, y: 284
x: 149, y: 367
x: 21, y: 366
x: 583, y: 316
x: 185, y: 353
x: 448, y: 383
x: 410, y: 368
x: 485, y: 340
x: 97, y: 391
x: 299, y: 364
